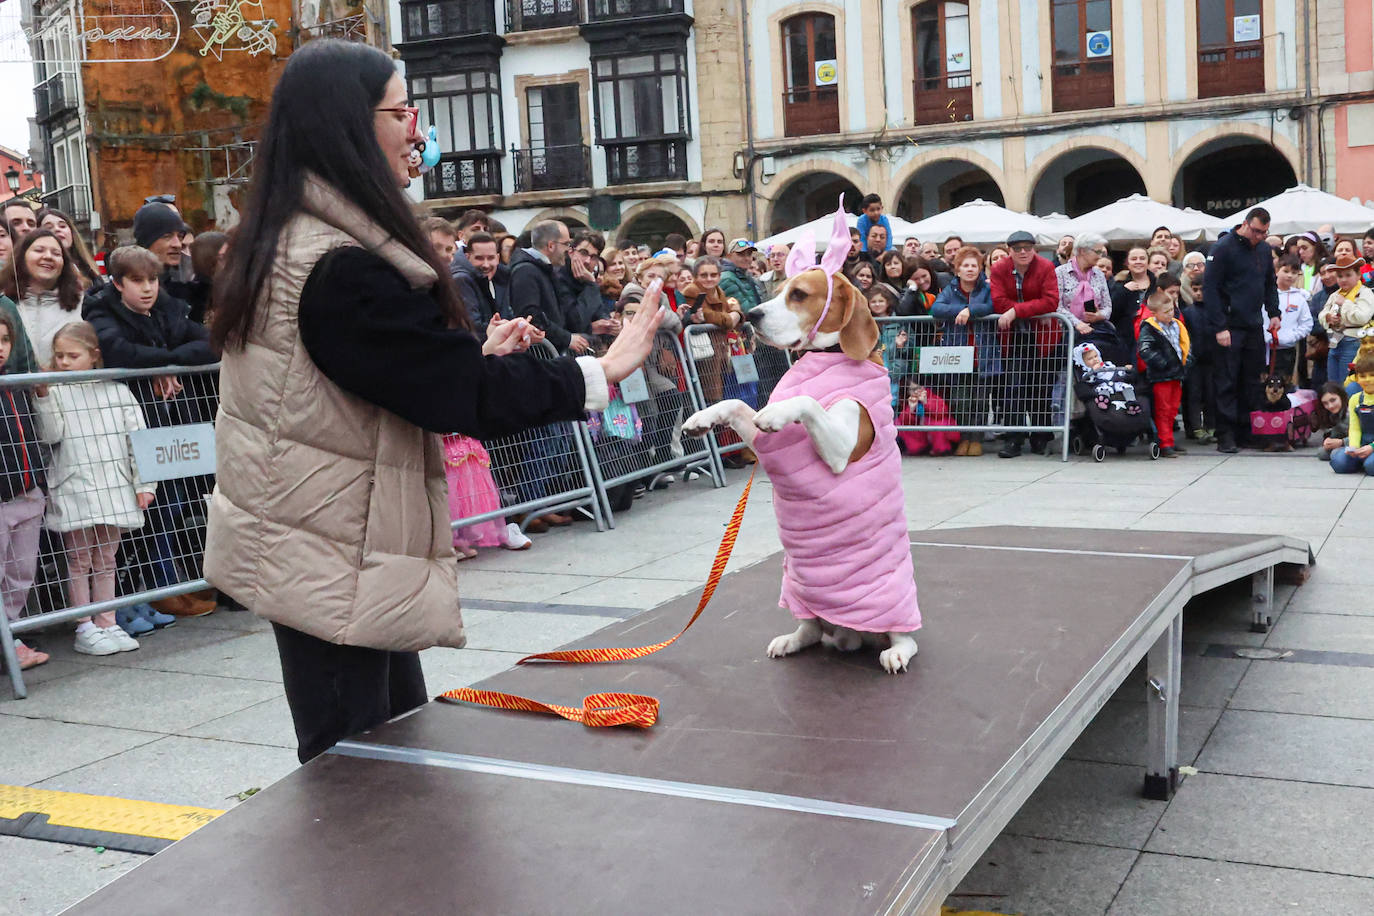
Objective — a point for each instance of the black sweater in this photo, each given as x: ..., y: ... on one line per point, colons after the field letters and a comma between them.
x: 375, y: 337
x: 1239, y: 283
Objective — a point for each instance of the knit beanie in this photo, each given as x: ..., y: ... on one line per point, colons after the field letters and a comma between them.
x: 153, y: 221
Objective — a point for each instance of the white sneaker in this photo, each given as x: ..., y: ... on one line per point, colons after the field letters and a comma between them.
x: 96, y: 641
x: 125, y: 642
x: 515, y: 538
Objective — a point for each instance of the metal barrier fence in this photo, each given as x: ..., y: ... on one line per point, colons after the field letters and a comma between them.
x: 639, y: 435
x: 980, y: 378
x: 732, y: 364
x: 534, y: 472
x: 104, y: 476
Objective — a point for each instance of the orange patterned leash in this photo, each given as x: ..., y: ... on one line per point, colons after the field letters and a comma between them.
x: 605, y: 709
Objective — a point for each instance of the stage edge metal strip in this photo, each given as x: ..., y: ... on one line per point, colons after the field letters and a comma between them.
x: 545, y: 773
x: 1080, y: 553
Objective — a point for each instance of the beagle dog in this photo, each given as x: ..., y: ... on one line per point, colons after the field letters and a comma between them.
x: 808, y: 314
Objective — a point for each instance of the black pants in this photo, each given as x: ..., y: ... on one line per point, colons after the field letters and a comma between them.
x: 1236, y: 376
x: 336, y: 691
x: 1199, y: 396
x: 1029, y: 379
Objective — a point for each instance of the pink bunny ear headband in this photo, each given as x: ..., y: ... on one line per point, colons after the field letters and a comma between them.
x: 803, y: 258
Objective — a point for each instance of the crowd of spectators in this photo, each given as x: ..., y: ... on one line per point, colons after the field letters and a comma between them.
x: 1249, y: 305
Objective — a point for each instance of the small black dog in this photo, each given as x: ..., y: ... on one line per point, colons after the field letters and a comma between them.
x: 1276, y: 400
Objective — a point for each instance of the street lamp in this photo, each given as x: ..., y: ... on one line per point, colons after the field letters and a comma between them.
x: 12, y: 179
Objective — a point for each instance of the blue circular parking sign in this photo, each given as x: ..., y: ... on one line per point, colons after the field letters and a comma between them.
x: 1099, y: 44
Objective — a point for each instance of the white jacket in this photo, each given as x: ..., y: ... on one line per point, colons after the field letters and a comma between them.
x: 1295, y: 318
x: 1353, y: 316
x: 43, y: 317
x: 92, y: 480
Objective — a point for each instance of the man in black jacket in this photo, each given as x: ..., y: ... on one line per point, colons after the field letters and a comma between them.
x: 585, y: 310
x: 1239, y: 289
x: 532, y: 291
x: 483, y: 282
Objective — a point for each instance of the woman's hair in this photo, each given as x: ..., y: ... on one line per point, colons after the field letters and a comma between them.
x: 701, y: 242
x: 1323, y: 416
x: 1164, y: 252
x: 82, y: 332
x: 205, y: 253
x: 322, y: 123
x: 1088, y: 241
x: 706, y: 260
x: 664, y: 262
x: 967, y: 251
x: 80, y: 252
x: 853, y: 272
x: 504, y: 250
x: 14, y: 279
x: 892, y: 254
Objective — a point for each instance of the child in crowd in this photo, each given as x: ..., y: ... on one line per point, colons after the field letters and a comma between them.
x: 1332, y: 419
x: 1294, y: 315
x: 472, y: 491
x: 924, y: 407
x: 1163, y: 345
x: 1347, y: 311
x: 94, y: 492
x: 1358, y: 452
x: 893, y: 339
x: 21, y: 496
x: 873, y: 215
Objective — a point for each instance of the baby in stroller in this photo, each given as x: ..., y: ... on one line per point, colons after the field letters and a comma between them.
x: 1116, y: 411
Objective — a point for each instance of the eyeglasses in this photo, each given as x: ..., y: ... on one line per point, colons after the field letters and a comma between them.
x: 414, y: 114
x: 1023, y: 247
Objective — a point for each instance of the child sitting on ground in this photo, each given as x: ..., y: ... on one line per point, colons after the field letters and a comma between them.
x: 1332, y: 419
x: 924, y: 407
x: 1294, y: 313
x: 1162, y: 346
x: 94, y: 492
x: 1358, y: 453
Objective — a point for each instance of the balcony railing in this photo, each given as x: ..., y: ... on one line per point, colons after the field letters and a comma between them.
x: 54, y: 96
x: 1083, y: 85
x: 464, y: 175
x: 528, y: 15
x: 944, y: 99
x: 73, y: 200
x: 551, y: 168
x: 598, y: 10
x: 629, y: 161
x: 447, y: 18
x: 1230, y: 70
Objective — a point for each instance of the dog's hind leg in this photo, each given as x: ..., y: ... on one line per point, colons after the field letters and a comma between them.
x: 903, y: 650
x: 807, y: 633
x: 845, y: 639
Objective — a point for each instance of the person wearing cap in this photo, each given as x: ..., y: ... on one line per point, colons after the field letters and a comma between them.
x: 1025, y: 291
x: 735, y: 281
x: 1347, y: 313
x: 158, y: 228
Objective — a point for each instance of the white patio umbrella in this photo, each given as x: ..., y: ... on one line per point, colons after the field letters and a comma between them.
x: 1302, y: 208
x: 978, y: 222
x: 820, y: 229
x: 1135, y: 217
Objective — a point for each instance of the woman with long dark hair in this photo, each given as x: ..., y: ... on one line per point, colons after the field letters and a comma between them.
x: 43, y: 282
x: 346, y: 350
x: 62, y: 226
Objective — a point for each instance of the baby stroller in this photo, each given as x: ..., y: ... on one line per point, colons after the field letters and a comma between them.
x: 1115, y: 411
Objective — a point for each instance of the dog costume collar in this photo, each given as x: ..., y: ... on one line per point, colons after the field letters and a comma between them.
x: 803, y: 258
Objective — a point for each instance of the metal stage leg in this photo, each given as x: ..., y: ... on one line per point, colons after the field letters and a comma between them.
x: 1164, y: 662
x: 1261, y: 600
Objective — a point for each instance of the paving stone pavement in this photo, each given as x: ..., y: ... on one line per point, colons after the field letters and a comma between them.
x: 1279, y: 818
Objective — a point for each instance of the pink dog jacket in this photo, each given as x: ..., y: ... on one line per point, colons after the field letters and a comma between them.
x: 846, y: 551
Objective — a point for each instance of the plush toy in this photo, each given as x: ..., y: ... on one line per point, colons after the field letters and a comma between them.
x: 416, y: 159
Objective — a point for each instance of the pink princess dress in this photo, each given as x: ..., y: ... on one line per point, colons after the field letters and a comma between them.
x: 846, y: 550
x: 472, y: 491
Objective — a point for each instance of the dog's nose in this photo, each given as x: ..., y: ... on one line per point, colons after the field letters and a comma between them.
x: 754, y: 315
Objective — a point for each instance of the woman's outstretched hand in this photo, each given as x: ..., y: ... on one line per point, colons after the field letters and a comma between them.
x: 506, y: 337
x: 631, y: 347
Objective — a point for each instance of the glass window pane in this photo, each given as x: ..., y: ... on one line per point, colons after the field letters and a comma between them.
x: 418, y: 87
x: 625, y: 98
x: 1098, y: 14
x: 443, y: 124
x: 454, y: 82
x: 1066, y: 38
x: 641, y: 64
x: 668, y: 104
x: 481, y: 130
x: 1247, y: 7
x: 606, y: 102
x: 927, y: 43
x: 957, y: 52
x: 798, y: 60
x: 825, y: 37
x: 1213, y: 28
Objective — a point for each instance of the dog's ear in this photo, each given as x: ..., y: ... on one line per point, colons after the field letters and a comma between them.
x: 859, y: 333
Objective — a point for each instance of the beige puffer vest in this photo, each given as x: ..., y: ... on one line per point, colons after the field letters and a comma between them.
x: 330, y: 514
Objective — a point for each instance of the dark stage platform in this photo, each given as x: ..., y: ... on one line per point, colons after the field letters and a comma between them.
x: 815, y: 783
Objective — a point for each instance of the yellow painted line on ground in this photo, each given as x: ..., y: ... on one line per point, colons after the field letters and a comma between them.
x: 105, y: 813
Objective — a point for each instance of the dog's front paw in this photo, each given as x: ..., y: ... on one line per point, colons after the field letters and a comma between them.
x: 775, y: 416
x: 700, y: 423
x: 784, y: 645
x: 895, y: 659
